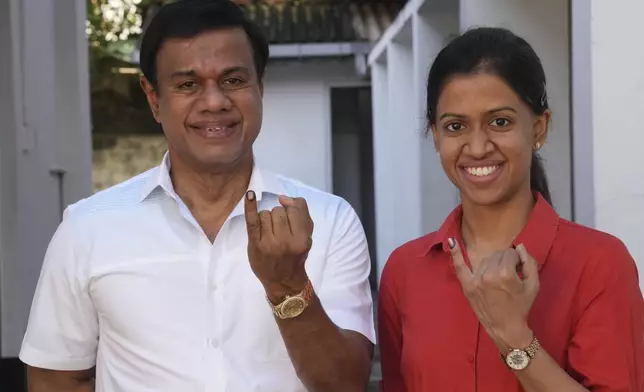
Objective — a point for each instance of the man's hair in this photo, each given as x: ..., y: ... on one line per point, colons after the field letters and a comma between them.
x: 189, y: 18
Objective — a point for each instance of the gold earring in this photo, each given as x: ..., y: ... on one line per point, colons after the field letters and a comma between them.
x: 537, y: 146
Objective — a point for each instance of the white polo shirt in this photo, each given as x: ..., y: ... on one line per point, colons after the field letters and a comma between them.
x: 131, y: 284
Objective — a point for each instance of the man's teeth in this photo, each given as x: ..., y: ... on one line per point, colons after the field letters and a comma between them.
x: 482, y: 171
x: 215, y: 129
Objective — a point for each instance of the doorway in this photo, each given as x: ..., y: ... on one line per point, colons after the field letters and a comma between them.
x: 352, y: 159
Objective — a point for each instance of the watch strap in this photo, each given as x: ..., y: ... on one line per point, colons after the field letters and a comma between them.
x: 531, y: 350
x: 533, y: 347
x: 306, y: 294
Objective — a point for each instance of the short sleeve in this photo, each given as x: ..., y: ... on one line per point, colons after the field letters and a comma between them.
x: 345, y: 292
x: 390, y: 330
x: 62, y: 333
x: 607, y: 348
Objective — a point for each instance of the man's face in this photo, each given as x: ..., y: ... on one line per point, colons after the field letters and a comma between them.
x: 208, y: 98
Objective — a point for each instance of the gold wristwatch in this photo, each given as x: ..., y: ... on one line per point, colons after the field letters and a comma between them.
x: 293, y: 305
x: 519, y: 359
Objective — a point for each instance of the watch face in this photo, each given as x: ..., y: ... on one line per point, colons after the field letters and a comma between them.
x: 293, y: 307
x: 517, y: 359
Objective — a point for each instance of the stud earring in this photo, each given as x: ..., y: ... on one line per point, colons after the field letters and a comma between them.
x: 537, y: 146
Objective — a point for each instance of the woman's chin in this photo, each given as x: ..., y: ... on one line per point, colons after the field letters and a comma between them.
x: 484, y: 197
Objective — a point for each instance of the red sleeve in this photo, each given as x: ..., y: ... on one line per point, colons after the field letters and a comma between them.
x: 607, y: 349
x: 390, y: 329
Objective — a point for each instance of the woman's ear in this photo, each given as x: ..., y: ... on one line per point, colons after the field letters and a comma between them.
x: 434, y: 132
x: 541, y: 128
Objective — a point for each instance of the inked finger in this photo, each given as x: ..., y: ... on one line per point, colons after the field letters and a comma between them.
x: 463, y: 272
x: 253, y: 223
x: 529, y: 266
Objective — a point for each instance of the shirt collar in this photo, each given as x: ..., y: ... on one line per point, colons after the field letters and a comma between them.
x: 537, y: 236
x: 263, y: 182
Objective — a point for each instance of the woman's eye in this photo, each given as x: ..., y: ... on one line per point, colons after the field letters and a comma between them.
x: 454, y: 127
x: 501, y: 122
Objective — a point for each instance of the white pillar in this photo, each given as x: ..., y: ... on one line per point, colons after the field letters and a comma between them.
x: 431, y: 29
x: 545, y: 25
x: 44, y: 133
x: 611, y: 57
x: 405, y: 137
x: 413, y: 195
x: 382, y: 171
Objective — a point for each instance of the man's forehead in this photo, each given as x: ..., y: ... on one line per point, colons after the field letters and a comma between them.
x: 220, y: 49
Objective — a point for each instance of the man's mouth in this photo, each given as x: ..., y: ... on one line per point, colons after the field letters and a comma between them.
x: 215, y: 131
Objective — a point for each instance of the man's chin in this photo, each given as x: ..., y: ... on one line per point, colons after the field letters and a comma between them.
x: 225, y: 159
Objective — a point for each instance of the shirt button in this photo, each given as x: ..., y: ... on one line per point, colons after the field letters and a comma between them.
x: 471, y: 358
x: 212, y: 342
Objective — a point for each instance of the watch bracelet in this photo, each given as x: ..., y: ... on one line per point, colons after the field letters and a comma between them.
x: 306, y: 294
x: 531, y: 350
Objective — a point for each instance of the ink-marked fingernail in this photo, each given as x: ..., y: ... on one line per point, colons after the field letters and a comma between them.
x: 250, y: 195
x: 451, y: 242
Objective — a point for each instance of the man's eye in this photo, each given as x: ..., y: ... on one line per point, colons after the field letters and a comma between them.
x: 187, y: 85
x: 454, y: 127
x: 233, y: 81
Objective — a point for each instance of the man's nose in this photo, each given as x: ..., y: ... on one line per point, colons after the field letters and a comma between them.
x: 214, y: 98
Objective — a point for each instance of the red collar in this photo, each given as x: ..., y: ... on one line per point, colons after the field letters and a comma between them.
x: 537, y: 236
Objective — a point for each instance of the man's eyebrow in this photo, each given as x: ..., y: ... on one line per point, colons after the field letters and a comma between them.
x: 192, y: 73
x: 182, y: 73
x: 232, y: 70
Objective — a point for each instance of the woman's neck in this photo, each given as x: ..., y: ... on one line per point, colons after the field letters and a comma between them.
x: 492, y: 228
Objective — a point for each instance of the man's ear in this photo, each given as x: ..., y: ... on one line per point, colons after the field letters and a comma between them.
x: 541, y: 128
x: 152, y: 97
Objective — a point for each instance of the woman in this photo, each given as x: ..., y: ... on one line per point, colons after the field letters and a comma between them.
x: 506, y: 295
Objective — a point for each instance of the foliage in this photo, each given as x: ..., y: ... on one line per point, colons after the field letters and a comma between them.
x: 111, y: 21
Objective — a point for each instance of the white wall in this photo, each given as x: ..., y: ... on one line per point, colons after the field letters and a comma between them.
x: 545, y: 25
x: 617, y: 77
x: 296, y: 134
x: 44, y: 129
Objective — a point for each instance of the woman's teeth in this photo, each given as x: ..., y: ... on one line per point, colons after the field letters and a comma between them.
x: 482, y: 171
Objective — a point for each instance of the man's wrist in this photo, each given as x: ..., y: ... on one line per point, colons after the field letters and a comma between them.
x: 276, y: 292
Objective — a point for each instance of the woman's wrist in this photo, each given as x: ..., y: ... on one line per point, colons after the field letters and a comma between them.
x: 518, y: 337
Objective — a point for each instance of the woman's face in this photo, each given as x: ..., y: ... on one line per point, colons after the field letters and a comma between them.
x: 485, y: 135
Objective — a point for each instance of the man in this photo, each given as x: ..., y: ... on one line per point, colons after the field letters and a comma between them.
x: 173, y: 281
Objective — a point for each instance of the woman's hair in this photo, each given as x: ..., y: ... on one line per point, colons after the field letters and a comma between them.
x: 496, y: 51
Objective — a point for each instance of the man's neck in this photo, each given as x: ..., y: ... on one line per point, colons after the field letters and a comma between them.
x: 211, y: 190
x: 491, y: 228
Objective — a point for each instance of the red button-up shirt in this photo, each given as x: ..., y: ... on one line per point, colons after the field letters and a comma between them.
x: 588, y: 315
